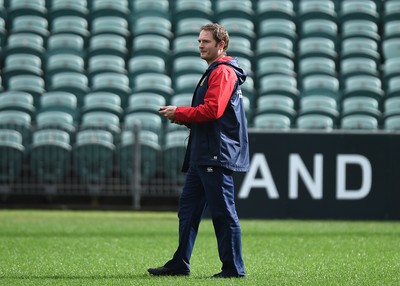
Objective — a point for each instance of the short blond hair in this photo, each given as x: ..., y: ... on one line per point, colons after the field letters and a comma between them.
x: 219, y: 33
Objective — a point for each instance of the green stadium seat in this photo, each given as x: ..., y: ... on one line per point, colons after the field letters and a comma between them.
x: 319, y: 28
x: 73, y: 82
x: 392, y: 123
x: 71, y: 25
x: 58, y: 63
x: 60, y: 8
x: 30, y: 24
x: 56, y: 120
x: 391, y: 30
x: 316, y: 10
x: 272, y: 121
x: 275, y: 65
x: 361, y: 105
x: 59, y: 101
x: 359, y: 122
x: 185, y: 46
x: 102, y: 101
x: 50, y: 155
x: 145, y: 64
x: 19, y: 121
x: 189, y: 26
x: 277, y: 27
x: 276, y: 104
x: 249, y: 90
x: 360, y: 47
x: 146, y: 120
x: 278, y: 84
x: 21, y: 64
x: 234, y: 8
x: 25, y: 43
x: 364, y: 85
x: 152, y: 25
x: 274, y: 46
x: 66, y: 43
x: 239, y: 27
x: 173, y: 154
x: 391, y: 11
x: 17, y: 100
x: 360, y: 28
x: 142, y: 8
x: 321, y: 85
x: 186, y: 83
x: 241, y: 47
x: 12, y: 155
x: 282, y: 9
x: 108, y: 44
x: 26, y: 7
x: 392, y: 106
x: 393, y: 87
x: 145, y: 102
x: 93, y: 156
x: 105, y: 63
x: 102, y: 8
x: 32, y: 84
x: 359, y: 9
x: 104, y: 121
x: 315, y: 66
x: 391, y: 48
x: 3, y: 33
x: 151, y: 45
x: 150, y: 152
x: 188, y: 65
x: 117, y: 83
x: 320, y: 105
x: 317, y: 47
x: 110, y: 25
x: 192, y: 9
x: 315, y: 121
x: 154, y: 83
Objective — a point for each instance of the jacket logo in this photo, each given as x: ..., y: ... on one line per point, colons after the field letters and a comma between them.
x: 239, y: 92
x: 210, y: 169
x: 202, y: 82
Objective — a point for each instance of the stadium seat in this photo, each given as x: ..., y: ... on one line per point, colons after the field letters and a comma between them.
x: 189, y: 26
x: 117, y: 83
x: 32, y: 84
x: 186, y: 83
x: 105, y: 63
x: 12, y: 155
x: 108, y: 44
x: 110, y: 25
x: 145, y: 120
x: 315, y: 121
x: 93, y: 156
x: 145, y: 102
x: 102, y: 120
x: 319, y: 105
x: 56, y: 120
x: 30, y: 24
x: 73, y: 82
x: 359, y: 9
x: 275, y: 65
x: 276, y: 104
x: 279, y: 85
x: 19, y: 121
x: 393, y: 87
x: 173, y: 154
x: 241, y: 47
x: 360, y: 47
x: 152, y: 25
x: 70, y: 25
x: 59, y: 101
x: 58, y: 63
x: 154, y: 83
x: 61, y: 8
x: 104, y: 102
x: 145, y: 64
x: 359, y: 122
x: 319, y: 28
x: 239, y: 27
x: 17, y: 100
x: 357, y: 66
x: 392, y: 106
x: 185, y: 46
x: 391, y: 48
x: 50, y: 155
x: 66, y: 43
x: 234, y: 8
x: 151, y: 45
x: 21, y: 64
x: 277, y: 27
x: 26, y: 7
x: 364, y: 85
x: 3, y: 33
x: 143, y: 8
x: 391, y: 30
x: 321, y: 85
x: 391, y: 11
x: 102, y: 8
x: 149, y: 154
x: 315, y: 66
x: 317, y: 47
x: 361, y: 105
x: 360, y: 28
x: 188, y: 65
x: 316, y: 10
x: 272, y: 121
x: 392, y: 123
x: 25, y: 43
x: 192, y: 9
x: 274, y: 46
x: 282, y: 9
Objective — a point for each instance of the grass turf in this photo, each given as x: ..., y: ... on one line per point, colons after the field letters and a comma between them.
x: 116, y: 248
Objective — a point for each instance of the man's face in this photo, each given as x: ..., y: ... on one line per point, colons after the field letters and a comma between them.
x: 209, y: 50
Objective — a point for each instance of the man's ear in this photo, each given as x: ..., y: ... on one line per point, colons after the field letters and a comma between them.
x: 221, y: 44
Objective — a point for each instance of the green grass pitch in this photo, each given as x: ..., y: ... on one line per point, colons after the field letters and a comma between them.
x: 116, y: 248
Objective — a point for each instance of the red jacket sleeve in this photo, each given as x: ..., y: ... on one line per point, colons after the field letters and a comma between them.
x: 221, y: 83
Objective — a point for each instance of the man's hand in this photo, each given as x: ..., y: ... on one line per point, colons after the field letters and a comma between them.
x: 169, y: 113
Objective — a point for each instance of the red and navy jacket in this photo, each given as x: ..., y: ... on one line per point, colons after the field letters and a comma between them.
x: 216, y: 117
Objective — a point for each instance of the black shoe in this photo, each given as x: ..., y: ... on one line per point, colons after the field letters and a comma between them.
x: 225, y: 275
x: 163, y: 271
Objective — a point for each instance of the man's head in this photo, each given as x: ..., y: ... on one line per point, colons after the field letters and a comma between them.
x: 213, y: 42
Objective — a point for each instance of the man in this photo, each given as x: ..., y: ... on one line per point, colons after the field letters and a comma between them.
x: 218, y: 146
